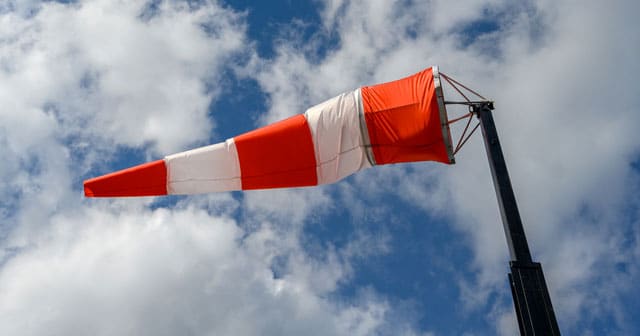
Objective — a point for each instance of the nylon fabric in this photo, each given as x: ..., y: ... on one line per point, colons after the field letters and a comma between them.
x: 205, y: 169
x: 403, y: 120
x: 337, y: 140
x: 278, y: 155
x: 394, y: 122
x: 149, y: 179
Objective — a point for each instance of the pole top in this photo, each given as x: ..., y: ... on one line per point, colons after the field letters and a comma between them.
x: 481, y: 105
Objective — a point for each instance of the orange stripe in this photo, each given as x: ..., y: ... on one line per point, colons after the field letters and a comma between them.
x: 149, y: 179
x: 278, y: 155
x: 403, y: 120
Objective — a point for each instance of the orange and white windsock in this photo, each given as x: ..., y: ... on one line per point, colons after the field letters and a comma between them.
x: 400, y: 121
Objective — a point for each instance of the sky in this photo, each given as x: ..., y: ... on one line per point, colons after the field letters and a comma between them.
x: 89, y: 87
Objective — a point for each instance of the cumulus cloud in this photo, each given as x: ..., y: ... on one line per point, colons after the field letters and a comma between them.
x: 82, y: 81
x: 113, y: 270
x: 120, y: 72
x: 562, y: 75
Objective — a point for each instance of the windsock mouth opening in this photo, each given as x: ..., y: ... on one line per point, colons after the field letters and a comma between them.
x: 471, y: 100
x: 444, y: 119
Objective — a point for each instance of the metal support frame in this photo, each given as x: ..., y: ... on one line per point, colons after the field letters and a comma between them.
x: 528, y: 287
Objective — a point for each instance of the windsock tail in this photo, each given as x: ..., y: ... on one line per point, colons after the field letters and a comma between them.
x: 149, y: 179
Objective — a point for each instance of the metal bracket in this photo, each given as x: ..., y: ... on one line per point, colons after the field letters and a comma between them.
x: 484, y: 105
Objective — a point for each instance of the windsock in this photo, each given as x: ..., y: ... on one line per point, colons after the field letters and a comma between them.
x: 400, y: 121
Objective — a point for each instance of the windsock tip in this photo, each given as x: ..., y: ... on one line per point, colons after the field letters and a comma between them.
x: 149, y: 179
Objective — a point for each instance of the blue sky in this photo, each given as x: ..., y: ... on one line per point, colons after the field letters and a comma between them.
x: 88, y: 87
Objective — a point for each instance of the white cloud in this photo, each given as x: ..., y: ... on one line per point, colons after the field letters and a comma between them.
x: 77, y: 80
x: 105, y: 73
x: 80, y: 80
x: 120, y: 271
x: 563, y: 75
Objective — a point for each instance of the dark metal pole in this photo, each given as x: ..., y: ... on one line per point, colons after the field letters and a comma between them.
x: 530, y: 294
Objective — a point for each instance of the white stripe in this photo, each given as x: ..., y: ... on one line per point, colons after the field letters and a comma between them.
x: 205, y: 169
x: 337, y: 140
